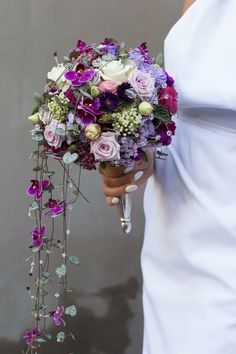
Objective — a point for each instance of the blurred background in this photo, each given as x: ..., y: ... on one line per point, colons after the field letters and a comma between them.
x: 108, y: 283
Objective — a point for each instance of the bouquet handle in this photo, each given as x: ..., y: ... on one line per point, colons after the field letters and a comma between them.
x: 124, y: 207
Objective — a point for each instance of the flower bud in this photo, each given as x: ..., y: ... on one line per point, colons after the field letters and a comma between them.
x: 94, y: 91
x: 34, y: 118
x: 145, y: 108
x: 93, y: 131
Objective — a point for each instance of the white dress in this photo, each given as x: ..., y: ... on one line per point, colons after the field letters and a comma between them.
x: 188, y: 257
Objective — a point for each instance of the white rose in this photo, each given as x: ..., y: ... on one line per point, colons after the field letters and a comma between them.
x: 116, y: 70
x: 57, y: 75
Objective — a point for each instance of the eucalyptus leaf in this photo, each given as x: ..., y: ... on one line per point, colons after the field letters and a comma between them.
x: 61, y: 271
x: 37, y: 137
x: 49, y: 173
x: 41, y: 340
x: 74, y: 260
x: 48, y: 335
x: 61, y: 336
x: 46, y: 274
x: 34, y: 206
x: 71, y: 310
x: 60, y: 132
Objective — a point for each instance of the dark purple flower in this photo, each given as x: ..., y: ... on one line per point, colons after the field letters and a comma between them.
x: 88, y: 110
x: 170, y: 81
x: 57, y: 315
x: 86, y: 159
x: 122, y: 93
x: 31, y: 335
x: 55, y: 208
x: 36, y: 188
x: 166, y: 132
x: 79, y: 78
x: 108, y: 101
x: 156, y: 72
x: 38, y: 237
x: 108, y: 41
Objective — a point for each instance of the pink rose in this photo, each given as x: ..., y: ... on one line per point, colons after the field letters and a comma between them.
x: 105, y: 148
x: 51, y: 136
x: 110, y: 86
x: 143, y: 83
x: 168, y: 98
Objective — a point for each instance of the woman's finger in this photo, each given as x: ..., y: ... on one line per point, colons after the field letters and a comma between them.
x: 118, y: 191
x: 112, y: 201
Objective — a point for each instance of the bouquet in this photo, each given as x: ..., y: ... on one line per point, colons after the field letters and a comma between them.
x: 104, y: 104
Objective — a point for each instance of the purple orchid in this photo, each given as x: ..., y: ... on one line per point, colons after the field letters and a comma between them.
x: 55, y: 208
x: 79, y: 78
x: 140, y: 55
x: 31, y: 335
x: 88, y: 110
x: 57, y: 315
x: 38, y: 237
x: 36, y: 188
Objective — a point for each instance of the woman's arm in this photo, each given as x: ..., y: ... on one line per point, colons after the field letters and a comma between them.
x: 186, y: 5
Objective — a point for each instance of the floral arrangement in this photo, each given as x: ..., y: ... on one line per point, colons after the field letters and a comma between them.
x: 104, y: 104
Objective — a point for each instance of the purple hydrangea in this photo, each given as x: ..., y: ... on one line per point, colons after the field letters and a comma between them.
x: 155, y: 71
x: 128, y: 151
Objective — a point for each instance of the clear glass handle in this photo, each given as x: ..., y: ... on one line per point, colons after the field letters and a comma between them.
x: 124, y: 207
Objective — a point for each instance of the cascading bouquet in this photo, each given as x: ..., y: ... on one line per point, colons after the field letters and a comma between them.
x: 103, y: 105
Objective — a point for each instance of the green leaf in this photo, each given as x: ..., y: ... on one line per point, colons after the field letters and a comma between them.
x: 38, y: 168
x: 161, y: 113
x: 48, y: 335
x: 39, y: 98
x: 71, y: 311
x: 46, y: 274
x: 61, y: 271
x: 74, y: 260
x: 41, y: 340
x: 159, y: 60
x: 85, y: 93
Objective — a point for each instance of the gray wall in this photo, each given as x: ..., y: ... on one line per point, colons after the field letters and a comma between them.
x: 108, y: 282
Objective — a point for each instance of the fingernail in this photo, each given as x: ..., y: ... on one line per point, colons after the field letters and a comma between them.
x: 115, y: 200
x: 138, y: 175
x: 131, y: 188
x: 128, y: 169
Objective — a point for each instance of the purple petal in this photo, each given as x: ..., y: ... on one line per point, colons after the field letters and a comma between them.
x: 71, y: 75
x: 45, y: 183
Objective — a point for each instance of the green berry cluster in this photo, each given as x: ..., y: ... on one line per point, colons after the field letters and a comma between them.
x: 58, y: 107
x: 127, y: 121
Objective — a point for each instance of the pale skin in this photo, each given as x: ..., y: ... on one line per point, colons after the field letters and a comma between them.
x: 115, y: 181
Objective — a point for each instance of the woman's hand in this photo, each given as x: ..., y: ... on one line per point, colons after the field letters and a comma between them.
x: 118, y: 181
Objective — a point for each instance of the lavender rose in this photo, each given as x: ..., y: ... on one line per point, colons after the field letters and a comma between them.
x: 143, y: 83
x: 106, y: 148
x: 50, y: 133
